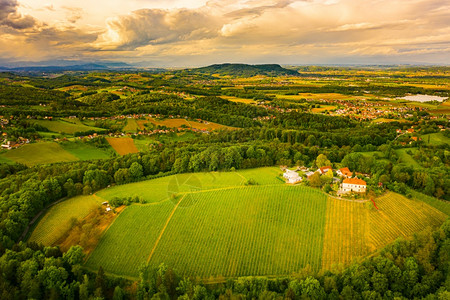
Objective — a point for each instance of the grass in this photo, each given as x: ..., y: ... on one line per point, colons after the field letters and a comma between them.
x: 406, y: 158
x: 85, y: 151
x: 132, y: 126
x: 123, y: 145
x: 39, y: 153
x: 57, y: 220
x: 436, y: 139
x: 69, y: 126
x: 5, y: 160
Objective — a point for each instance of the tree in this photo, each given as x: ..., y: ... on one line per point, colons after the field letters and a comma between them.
x: 100, y: 281
x: 136, y: 171
x: 322, y: 161
x: 118, y: 293
x: 315, y: 180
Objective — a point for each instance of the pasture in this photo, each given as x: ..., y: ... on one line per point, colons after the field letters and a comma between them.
x: 85, y: 151
x: 407, y: 158
x: 39, y: 153
x: 69, y: 126
x: 122, y: 145
x: 435, y: 139
x: 57, y: 221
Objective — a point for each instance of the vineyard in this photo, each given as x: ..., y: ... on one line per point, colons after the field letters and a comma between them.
x: 400, y: 217
x: 213, y: 225
x: 353, y: 231
x: 346, y: 232
x: 231, y: 232
x: 57, y: 220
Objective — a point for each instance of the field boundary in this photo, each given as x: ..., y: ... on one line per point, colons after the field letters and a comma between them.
x: 104, y: 231
x: 164, y: 229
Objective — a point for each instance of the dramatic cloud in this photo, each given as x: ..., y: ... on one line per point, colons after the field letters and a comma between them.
x: 9, y: 16
x: 199, y: 32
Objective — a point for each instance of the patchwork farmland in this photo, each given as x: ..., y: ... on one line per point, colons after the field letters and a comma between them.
x: 212, y: 225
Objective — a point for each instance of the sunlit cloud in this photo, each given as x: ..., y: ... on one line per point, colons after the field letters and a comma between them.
x: 201, y: 32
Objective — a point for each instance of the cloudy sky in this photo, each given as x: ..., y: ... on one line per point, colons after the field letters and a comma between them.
x: 196, y: 32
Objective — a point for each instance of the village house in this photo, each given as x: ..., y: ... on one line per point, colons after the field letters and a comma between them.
x: 353, y: 185
x: 323, y: 170
x: 291, y: 176
x: 344, y: 172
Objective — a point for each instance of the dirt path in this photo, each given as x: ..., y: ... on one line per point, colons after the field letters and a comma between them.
x: 164, y: 228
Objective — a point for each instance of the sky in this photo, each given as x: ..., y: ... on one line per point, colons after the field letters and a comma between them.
x: 174, y: 33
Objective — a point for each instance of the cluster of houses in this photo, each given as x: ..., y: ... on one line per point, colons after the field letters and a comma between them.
x: 11, y: 145
x: 349, y: 184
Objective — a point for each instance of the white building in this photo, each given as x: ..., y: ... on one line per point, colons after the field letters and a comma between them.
x: 291, y: 176
x: 353, y: 185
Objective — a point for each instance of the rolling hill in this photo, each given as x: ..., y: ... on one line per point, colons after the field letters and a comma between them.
x: 246, y: 70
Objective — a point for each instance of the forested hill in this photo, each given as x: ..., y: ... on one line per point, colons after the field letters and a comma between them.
x: 246, y: 70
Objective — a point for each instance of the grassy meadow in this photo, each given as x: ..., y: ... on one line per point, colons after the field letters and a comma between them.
x: 39, y: 153
x: 69, y: 126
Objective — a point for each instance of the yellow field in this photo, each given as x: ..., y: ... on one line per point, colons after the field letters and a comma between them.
x: 176, y: 123
x: 352, y: 230
x: 123, y: 145
x: 324, y: 96
x: 322, y: 109
x: 346, y: 232
x: 400, y: 217
x: 236, y: 99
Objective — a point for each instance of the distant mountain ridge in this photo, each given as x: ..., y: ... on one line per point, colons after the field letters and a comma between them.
x: 246, y: 70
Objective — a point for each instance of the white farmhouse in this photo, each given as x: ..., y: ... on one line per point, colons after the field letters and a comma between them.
x: 291, y: 176
x: 353, y: 185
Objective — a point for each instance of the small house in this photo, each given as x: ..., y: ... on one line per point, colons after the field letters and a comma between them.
x: 344, y: 172
x: 291, y: 176
x: 323, y: 170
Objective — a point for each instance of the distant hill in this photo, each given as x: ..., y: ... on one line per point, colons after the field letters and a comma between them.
x: 246, y: 70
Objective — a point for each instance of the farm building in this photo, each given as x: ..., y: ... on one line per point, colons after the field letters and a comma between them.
x: 323, y: 170
x: 353, y: 185
x: 291, y: 176
x: 344, y: 172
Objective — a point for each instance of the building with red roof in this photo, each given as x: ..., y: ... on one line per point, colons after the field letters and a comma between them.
x: 353, y: 185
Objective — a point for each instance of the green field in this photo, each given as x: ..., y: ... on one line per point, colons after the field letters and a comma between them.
x: 435, y: 139
x: 69, y: 126
x: 84, y: 151
x: 211, y: 225
x: 406, y: 158
x: 231, y: 232
x: 39, y: 153
x: 56, y: 221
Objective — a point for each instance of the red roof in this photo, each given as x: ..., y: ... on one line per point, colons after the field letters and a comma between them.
x: 346, y: 171
x: 325, y: 169
x: 356, y: 181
